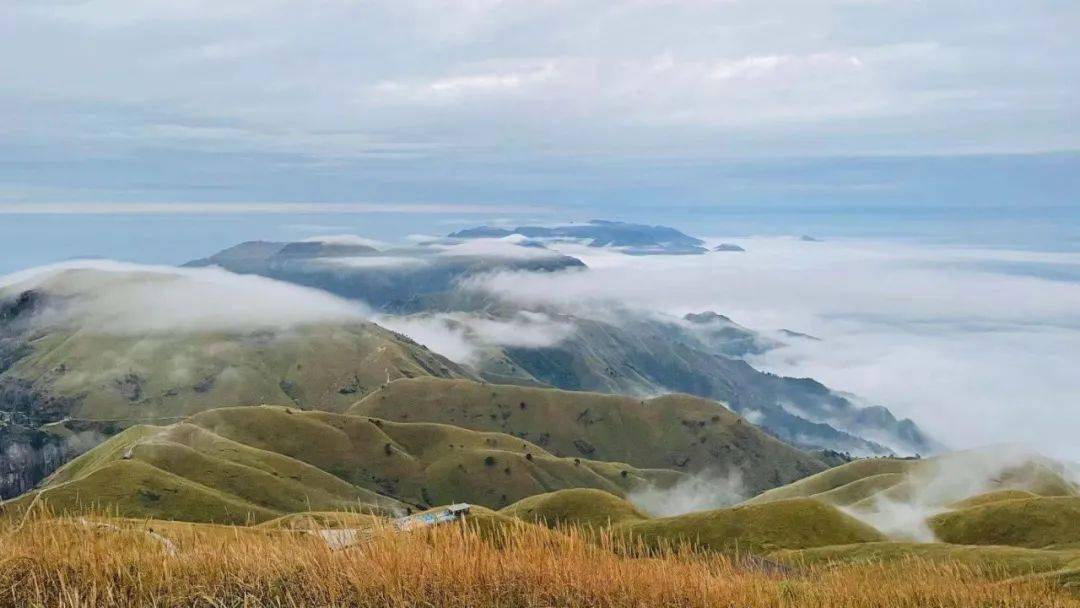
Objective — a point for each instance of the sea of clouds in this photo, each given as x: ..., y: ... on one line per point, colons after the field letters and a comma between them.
x: 977, y: 345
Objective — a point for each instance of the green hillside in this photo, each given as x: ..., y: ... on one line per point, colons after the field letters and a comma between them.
x: 244, y: 464
x: 758, y: 529
x: 91, y: 351
x: 836, y: 478
x: 578, y: 507
x: 1004, y: 561
x: 786, y: 524
x: 95, y: 376
x: 1033, y: 522
x: 992, y: 497
x: 673, y: 431
x: 421, y: 463
x: 942, y: 482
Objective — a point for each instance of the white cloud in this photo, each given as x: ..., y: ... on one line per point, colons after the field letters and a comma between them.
x: 974, y: 355
x: 513, y: 246
x: 935, y: 484
x: 454, y: 88
x: 607, y: 80
x: 121, y: 298
x: 374, y: 261
x: 462, y: 336
x: 346, y: 239
x: 700, y: 492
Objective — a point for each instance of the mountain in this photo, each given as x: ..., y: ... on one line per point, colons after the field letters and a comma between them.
x: 677, y: 432
x: 643, y: 356
x: 626, y: 352
x: 634, y: 239
x: 726, y: 337
x: 748, y: 529
x: 992, y: 496
x: 252, y: 464
x: 87, y: 351
x: 728, y: 247
x: 387, y: 279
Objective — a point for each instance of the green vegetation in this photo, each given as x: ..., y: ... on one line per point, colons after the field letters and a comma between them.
x: 677, y: 432
x: 757, y: 529
x: 1033, y: 522
x: 990, y: 497
x: 841, y: 476
x: 1005, y: 561
x: 861, y: 489
x: 159, y: 376
x: 576, y: 507
x: 258, y: 463
x: 132, y: 488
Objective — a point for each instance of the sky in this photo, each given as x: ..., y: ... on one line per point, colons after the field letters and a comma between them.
x: 576, y: 106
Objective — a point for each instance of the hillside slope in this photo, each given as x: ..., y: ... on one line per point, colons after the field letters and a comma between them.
x: 787, y: 524
x: 673, y: 431
x: 240, y: 464
x: 99, y: 349
x: 640, y: 354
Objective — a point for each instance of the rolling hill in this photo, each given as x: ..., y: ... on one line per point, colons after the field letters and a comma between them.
x: 641, y: 354
x: 86, y: 351
x: 252, y: 464
x: 678, y: 432
x: 757, y: 529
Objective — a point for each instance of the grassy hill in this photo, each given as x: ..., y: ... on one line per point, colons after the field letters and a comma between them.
x: 104, y: 348
x: 638, y: 355
x: 837, y: 478
x: 678, y: 432
x: 992, y: 497
x: 1002, y: 561
x: 578, y: 507
x: 1042, y: 521
x: 945, y: 482
x: 94, y: 376
x: 242, y: 464
x: 758, y: 529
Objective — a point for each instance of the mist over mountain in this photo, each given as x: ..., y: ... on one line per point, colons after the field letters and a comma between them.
x: 95, y: 347
x: 438, y: 299
x: 391, y: 278
x: 304, y: 323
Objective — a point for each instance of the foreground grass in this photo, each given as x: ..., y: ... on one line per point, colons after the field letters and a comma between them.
x: 50, y: 561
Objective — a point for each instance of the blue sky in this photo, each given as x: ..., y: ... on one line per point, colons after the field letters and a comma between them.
x: 585, y: 108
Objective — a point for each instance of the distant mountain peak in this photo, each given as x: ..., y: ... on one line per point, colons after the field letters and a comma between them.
x: 728, y: 247
x: 635, y: 239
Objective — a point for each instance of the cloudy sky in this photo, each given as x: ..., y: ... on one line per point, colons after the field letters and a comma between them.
x: 536, y: 103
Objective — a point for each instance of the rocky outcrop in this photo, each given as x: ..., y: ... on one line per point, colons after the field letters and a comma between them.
x: 28, y: 456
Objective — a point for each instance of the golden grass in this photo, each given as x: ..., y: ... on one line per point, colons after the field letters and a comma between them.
x: 60, y: 562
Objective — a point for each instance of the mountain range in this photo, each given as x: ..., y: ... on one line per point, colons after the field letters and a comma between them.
x: 640, y: 353
x: 84, y: 354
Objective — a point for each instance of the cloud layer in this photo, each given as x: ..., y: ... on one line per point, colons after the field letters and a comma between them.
x: 121, y: 298
x: 412, y: 89
x: 978, y: 346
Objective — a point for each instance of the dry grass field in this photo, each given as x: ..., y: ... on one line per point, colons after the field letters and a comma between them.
x: 82, y: 562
